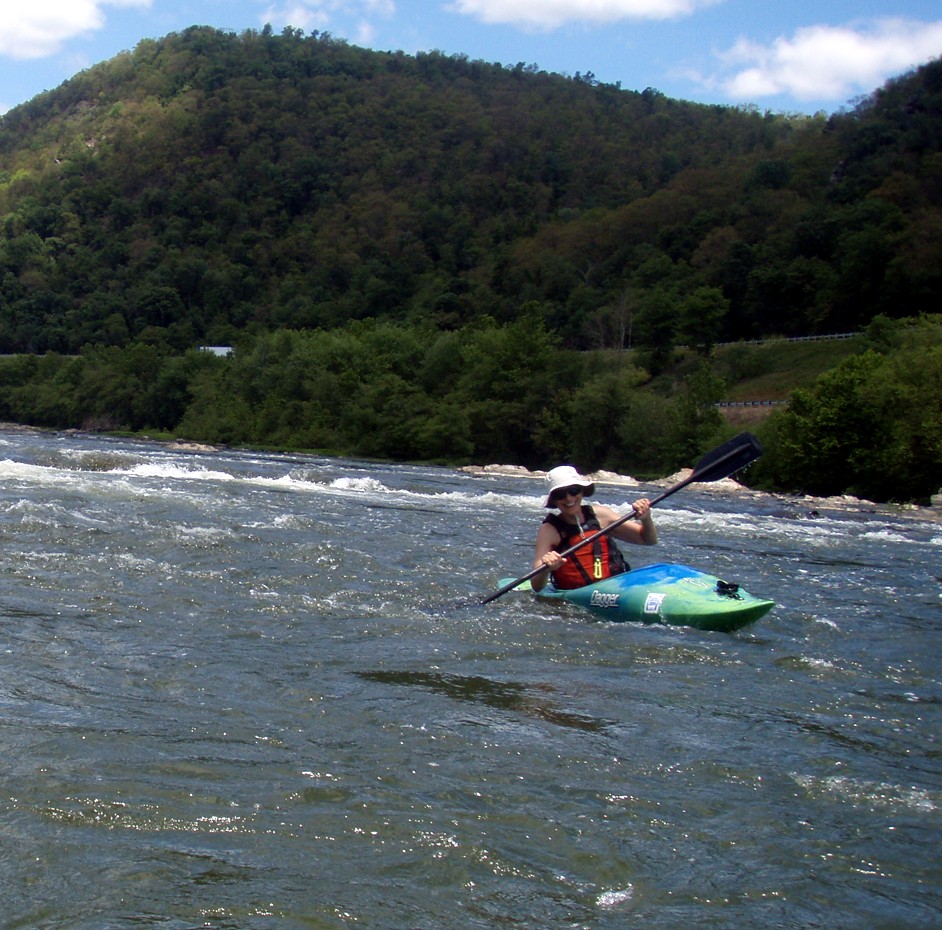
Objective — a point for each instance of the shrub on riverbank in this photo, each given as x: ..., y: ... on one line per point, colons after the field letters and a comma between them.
x: 509, y: 393
x: 872, y: 426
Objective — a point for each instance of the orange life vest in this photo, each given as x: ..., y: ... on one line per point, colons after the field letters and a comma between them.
x: 594, y: 561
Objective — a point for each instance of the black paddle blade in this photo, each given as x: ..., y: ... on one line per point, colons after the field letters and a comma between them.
x: 728, y: 458
x: 722, y: 462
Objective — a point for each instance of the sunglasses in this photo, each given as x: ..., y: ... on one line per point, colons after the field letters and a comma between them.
x: 573, y: 491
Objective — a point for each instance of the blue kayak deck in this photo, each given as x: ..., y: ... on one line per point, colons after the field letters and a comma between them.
x: 665, y: 593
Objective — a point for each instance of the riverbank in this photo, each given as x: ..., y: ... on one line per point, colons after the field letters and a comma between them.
x: 793, y: 504
x: 797, y: 503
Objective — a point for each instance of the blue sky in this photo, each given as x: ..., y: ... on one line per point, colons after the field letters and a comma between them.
x: 796, y: 56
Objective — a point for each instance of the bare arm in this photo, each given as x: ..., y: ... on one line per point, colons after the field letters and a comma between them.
x: 545, y: 556
x: 641, y: 531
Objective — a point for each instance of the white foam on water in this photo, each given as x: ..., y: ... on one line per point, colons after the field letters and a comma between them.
x: 610, y: 900
x: 167, y: 470
x: 201, y: 533
x: 359, y: 484
x: 881, y: 795
x: 36, y: 474
x: 884, y: 536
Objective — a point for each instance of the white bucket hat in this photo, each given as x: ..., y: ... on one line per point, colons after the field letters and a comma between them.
x: 565, y: 476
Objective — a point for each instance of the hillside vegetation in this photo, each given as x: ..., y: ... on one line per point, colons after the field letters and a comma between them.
x: 432, y: 257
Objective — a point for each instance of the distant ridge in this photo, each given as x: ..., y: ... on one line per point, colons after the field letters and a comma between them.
x: 208, y: 184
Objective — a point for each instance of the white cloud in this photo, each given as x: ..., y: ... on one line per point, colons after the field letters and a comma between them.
x: 365, y: 33
x: 299, y: 15
x: 825, y: 62
x: 320, y: 14
x: 551, y: 14
x: 37, y: 29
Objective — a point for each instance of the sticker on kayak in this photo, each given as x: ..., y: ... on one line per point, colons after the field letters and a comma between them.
x: 697, y: 582
x: 652, y: 603
x: 599, y: 599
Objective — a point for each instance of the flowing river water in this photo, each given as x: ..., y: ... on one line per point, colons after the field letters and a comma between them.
x: 258, y: 691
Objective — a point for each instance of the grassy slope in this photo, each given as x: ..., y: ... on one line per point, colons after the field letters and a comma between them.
x: 772, y: 370
x: 767, y: 371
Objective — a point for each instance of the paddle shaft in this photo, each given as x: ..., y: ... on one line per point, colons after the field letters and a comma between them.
x: 720, y: 463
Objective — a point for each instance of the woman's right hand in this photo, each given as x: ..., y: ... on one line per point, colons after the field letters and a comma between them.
x: 548, y: 562
x: 551, y: 560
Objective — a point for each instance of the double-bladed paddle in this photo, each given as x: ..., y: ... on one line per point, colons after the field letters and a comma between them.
x: 722, y: 462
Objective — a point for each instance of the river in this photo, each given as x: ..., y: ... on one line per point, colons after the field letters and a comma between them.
x: 251, y: 691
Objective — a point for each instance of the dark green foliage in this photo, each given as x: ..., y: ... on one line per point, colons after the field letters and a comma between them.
x: 872, y: 426
x: 488, y: 392
x: 410, y: 252
x: 210, y: 180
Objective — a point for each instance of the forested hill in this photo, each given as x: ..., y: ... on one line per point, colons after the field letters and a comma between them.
x: 209, y: 184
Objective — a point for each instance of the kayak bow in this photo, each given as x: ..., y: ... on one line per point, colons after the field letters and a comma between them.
x: 666, y: 593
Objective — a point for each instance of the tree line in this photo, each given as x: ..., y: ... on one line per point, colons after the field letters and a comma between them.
x: 494, y: 392
x: 504, y: 393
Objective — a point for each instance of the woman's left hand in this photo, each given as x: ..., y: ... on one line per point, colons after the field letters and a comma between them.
x: 642, y: 509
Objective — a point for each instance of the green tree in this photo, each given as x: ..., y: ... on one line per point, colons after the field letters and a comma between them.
x: 656, y: 328
x: 871, y: 427
x: 602, y: 424
x: 509, y: 374
x: 696, y: 419
x: 702, y: 315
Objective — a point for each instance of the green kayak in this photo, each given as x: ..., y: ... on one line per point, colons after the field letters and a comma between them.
x: 665, y: 593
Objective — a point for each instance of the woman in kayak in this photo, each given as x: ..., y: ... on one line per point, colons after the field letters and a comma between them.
x: 566, y: 489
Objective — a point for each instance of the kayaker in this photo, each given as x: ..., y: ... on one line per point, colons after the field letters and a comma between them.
x: 566, y: 489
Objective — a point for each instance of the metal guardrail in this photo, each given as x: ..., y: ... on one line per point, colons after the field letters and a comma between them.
x: 759, y: 342
x: 752, y: 403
